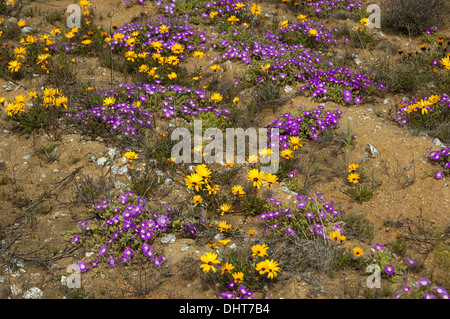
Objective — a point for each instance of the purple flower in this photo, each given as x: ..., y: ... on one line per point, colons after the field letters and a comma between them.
x: 435, y: 155
x: 111, y: 261
x: 398, y: 295
x: 162, y: 220
x: 322, y: 214
x: 444, y: 295
x: 228, y: 295
x: 242, y: 290
x: 423, y: 282
x: 378, y: 247
x: 82, y: 266
x: 410, y: 262
x: 309, y: 215
x: 290, y: 231
x: 102, y: 251
x: 428, y: 295
x: 231, y: 284
x: 302, y: 205
x: 127, y: 253
x: 435, y: 62
x: 388, y: 269
x: 439, y: 290
x: 439, y: 175
x: 157, y: 262
x: 76, y: 239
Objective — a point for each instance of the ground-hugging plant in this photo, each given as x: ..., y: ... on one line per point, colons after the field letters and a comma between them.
x: 123, y: 232
x: 422, y: 289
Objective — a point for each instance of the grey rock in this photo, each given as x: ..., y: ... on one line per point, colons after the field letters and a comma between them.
x: 370, y: 151
x: 287, y: 190
x: 168, y: 239
x: 27, y: 156
x: 33, y: 293
x: 123, y: 170
x: 185, y: 248
x: 26, y: 30
x: 219, y: 236
x: 437, y: 142
x: 288, y: 89
x: 168, y: 181
x: 92, y: 159
x: 381, y: 35
x: 114, y: 169
x: 102, y: 161
x: 15, y: 290
x: 113, y: 153
x: 118, y: 184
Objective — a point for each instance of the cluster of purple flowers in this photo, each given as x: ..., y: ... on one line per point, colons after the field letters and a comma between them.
x: 431, y: 30
x: 325, y: 7
x: 389, y: 264
x: 308, y: 124
x: 191, y: 227
x: 175, y: 100
x: 124, y: 230
x: 241, y: 292
x: 128, y: 117
x: 422, y: 289
x: 124, y: 118
x: 296, y: 64
x: 316, y: 211
x: 441, y: 158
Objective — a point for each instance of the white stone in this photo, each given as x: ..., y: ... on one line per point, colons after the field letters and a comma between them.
x: 123, y: 170
x: 288, y: 89
x: 169, y: 239
x: 437, y: 142
x: 113, y: 153
x: 33, y: 293
x: 102, y: 161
